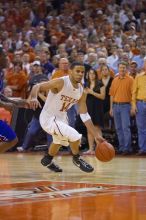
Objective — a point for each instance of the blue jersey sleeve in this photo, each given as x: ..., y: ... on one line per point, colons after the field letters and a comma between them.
x: 6, y: 132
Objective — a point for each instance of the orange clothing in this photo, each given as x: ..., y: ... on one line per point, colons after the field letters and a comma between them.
x: 135, y: 51
x: 30, y: 51
x: 32, y: 55
x: 5, y: 115
x: 59, y: 73
x: 24, y: 13
x: 121, y: 89
x: 60, y: 35
x: 129, y: 34
x: 20, y: 81
x: 10, y: 55
x: 139, y: 88
x: 98, y: 4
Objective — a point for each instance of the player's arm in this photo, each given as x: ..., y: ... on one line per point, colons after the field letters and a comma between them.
x: 20, y: 103
x: 8, y: 106
x: 13, y: 102
x: 42, y: 97
x: 54, y: 85
x: 85, y: 117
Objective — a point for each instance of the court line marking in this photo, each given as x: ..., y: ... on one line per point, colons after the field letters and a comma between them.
x: 64, y: 181
x: 90, y: 193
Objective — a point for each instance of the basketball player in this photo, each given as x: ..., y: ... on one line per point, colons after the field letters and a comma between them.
x: 63, y: 93
x: 8, y: 138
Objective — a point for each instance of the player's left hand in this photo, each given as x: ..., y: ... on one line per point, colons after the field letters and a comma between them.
x: 34, y: 103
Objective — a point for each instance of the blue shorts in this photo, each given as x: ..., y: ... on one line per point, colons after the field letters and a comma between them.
x: 6, y: 132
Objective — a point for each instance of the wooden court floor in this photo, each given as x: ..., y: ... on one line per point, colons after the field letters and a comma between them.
x: 116, y: 190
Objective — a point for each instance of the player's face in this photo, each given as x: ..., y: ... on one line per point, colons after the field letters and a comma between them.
x: 78, y: 73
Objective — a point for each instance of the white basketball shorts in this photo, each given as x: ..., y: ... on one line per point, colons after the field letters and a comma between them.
x: 61, y: 132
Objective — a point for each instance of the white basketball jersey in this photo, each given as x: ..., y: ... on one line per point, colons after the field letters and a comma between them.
x: 58, y: 104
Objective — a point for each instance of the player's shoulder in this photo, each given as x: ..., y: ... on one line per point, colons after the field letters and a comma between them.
x: 57, y: 83
x: 57, y: 80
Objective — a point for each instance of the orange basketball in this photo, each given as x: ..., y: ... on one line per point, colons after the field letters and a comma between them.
x: 104, y: 151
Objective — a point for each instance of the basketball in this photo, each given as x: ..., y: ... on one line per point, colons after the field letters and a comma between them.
x: 104, y: 151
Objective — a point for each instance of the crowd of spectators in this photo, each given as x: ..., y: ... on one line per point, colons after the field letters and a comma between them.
x: 36, y: 35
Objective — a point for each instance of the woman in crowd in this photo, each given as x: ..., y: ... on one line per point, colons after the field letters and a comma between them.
x: 95, y: 95
x: 106, y: 79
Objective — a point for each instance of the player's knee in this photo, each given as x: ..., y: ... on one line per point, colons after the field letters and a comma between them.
x: 77, y: 142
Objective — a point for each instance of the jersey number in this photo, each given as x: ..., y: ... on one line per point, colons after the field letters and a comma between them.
x: 65, y: 107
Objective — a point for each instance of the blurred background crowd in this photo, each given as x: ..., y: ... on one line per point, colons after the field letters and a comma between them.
x: 40, y: 39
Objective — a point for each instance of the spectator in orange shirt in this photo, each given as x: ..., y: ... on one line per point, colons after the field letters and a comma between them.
x: 27, y: 49
x: 62, y: 70
x: 121, y: 96
x: 17, y: 81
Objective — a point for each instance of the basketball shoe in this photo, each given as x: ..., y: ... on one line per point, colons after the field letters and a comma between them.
x: 82, y: 164
x: 47, y: 161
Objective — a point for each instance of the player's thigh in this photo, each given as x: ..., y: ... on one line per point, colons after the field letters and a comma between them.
x: 6, y: 132
x: 64, y: 130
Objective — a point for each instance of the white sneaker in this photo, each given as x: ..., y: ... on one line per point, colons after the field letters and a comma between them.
x: 20, y: 149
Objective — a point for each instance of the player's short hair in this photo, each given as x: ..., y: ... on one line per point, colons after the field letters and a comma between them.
x: 74, y: 64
